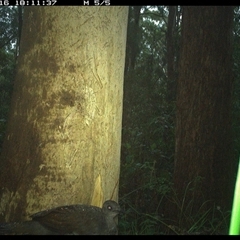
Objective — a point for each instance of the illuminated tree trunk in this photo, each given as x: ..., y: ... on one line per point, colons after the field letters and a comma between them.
x: 63, y: 139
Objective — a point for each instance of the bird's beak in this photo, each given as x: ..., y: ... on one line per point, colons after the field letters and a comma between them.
x: 121, y: 212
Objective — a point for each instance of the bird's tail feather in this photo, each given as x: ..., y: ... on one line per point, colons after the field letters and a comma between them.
x: 23, y: 228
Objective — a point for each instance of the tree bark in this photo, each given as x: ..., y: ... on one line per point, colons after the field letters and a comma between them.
x: 132, y: 38
x: 171, y: 71
x: 204, y: 157
x: 63, y: 139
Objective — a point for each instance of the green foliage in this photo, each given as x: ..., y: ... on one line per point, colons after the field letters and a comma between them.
x: 134, y: 222
x: 148, y: 220
x: 7, y: 67
x: 8, y: 40
x: 148, y: 124
x: 209, y: 219
x: 8, y: 27
x: 236, y: 84
x: 148, y: 135
x: 148, y: 129
x: 235, y: 216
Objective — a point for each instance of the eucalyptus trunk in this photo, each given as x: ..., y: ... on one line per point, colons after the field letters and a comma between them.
x: 63, y: 138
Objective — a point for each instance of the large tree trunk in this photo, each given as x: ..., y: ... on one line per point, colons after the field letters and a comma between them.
x: 133, y: 38
x: 171, y: 61
x: 204, y: 159
x: 63, y: 139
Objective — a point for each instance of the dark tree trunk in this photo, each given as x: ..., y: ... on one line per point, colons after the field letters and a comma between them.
x: 132, y: 38
x: 171, y: 53
x: 204, y: 157
x: 130, y: 61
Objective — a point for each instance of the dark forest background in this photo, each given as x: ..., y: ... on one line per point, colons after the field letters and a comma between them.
x: 149, y: 119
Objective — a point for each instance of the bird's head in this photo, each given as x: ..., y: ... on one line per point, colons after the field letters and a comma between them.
x: 111, y: 208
